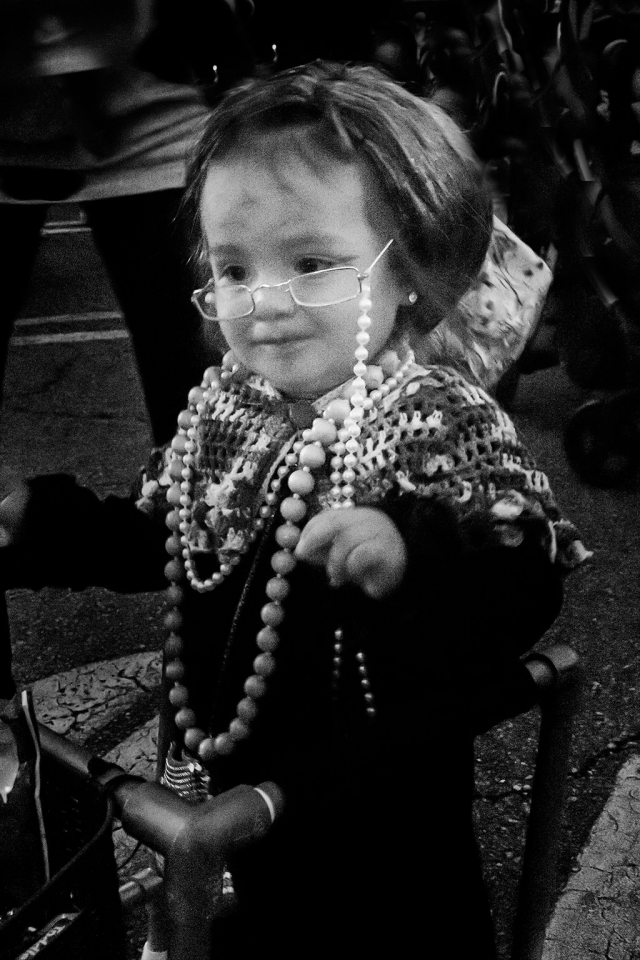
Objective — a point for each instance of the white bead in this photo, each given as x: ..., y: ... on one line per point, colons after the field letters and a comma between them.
x: 363, y: 338
x: 356, y: 414
x: 365, y: 304
x: 323, y: 431
x: 312, y: 456
x: 360, y: 385
x: 360, y: 369
x: 354, y: 431
x: 375, y: 396
x: 337, y: 410
x: 357, y: 400
x: 347, y: 490
x: 361, y: 353
x: 349, y: 476
x: 336, y: 462
x: 349, y: 389
x: 343, y: 434
x: 391, y: 383
x: 339, y: 448
x: 353, y: 446
x: 347, y: 504
x: 336, y: 491
x: 364, y: 322
x: 335, y: 477
x: 350, y: 461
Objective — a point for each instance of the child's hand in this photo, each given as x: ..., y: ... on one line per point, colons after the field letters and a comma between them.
x: 360, y: 545
x: 12, y: 513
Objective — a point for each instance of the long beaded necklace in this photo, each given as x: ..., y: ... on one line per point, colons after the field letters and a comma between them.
x: 338, y: 430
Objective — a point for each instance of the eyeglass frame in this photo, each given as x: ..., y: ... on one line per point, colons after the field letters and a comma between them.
x: 286, y: 283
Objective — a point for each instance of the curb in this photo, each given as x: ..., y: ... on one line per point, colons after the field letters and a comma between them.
x: 598, y: 913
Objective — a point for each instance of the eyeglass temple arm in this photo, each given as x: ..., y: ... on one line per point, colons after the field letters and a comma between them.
x: 384, y: 250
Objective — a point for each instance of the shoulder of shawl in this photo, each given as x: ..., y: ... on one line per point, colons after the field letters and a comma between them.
x: 449, y: 436
x: 440, y: 403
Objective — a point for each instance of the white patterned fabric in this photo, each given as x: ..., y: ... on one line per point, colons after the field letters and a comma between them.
x: 489, y: 328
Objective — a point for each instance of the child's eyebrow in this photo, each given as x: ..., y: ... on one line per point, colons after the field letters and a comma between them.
x: 310, y: 239
x: 224, y: 249
x: 313, y: 238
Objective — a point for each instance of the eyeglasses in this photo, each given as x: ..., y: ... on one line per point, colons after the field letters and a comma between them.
x: 322, y: 288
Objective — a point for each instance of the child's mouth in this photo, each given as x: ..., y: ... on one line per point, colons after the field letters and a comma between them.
x: 277, y: 338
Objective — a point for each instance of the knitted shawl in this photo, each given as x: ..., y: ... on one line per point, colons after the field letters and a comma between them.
x: 435, y: 436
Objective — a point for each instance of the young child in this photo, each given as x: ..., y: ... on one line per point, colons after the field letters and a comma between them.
x: 352, y: 536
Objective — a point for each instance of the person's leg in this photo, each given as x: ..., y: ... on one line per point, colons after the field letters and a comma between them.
x: 145, y: 247
x: 20, y: 227
x: 390, y: 868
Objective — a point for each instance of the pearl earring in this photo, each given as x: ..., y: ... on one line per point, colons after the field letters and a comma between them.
x: 413, y: 296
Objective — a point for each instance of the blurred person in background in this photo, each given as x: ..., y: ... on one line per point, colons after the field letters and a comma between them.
x: 83, y: 120
x: 100, y: 106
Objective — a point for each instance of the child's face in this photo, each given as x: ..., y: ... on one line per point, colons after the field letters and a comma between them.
x: 268, y: 215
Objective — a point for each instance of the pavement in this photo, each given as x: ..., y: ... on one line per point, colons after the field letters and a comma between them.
x: 73, y: 402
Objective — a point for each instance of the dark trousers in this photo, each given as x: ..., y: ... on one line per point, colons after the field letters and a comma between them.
x: 145, y: 248
x: 390, y: 869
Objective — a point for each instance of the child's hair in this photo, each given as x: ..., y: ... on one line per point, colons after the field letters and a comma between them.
x: 425, y: 167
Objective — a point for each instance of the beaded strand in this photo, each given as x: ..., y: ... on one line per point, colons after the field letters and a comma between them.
x: 338, y: 430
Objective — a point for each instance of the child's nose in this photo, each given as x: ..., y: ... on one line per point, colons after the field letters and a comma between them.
x: 272, y: 301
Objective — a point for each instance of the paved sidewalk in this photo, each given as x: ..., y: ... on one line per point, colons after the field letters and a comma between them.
x: 598, y: 914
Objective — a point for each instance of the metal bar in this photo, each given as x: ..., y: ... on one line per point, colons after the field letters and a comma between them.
x: 195, y: 838
x: 559, y: 680
x: 140, y: 888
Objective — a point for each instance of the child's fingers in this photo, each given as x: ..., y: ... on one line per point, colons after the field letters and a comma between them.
x: 337, y: 564
x: 376, y: 567
x: 318, y: 537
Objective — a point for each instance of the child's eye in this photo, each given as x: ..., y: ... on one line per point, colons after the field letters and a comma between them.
x: 233, y: 273
x: 311, y: 264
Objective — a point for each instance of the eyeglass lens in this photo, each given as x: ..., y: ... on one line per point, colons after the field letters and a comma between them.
x: 322, y: 288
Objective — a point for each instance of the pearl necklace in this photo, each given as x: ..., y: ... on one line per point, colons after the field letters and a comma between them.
x: 337, y: 430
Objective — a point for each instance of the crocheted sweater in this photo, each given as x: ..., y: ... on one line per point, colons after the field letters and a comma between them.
x: 437, y: 437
